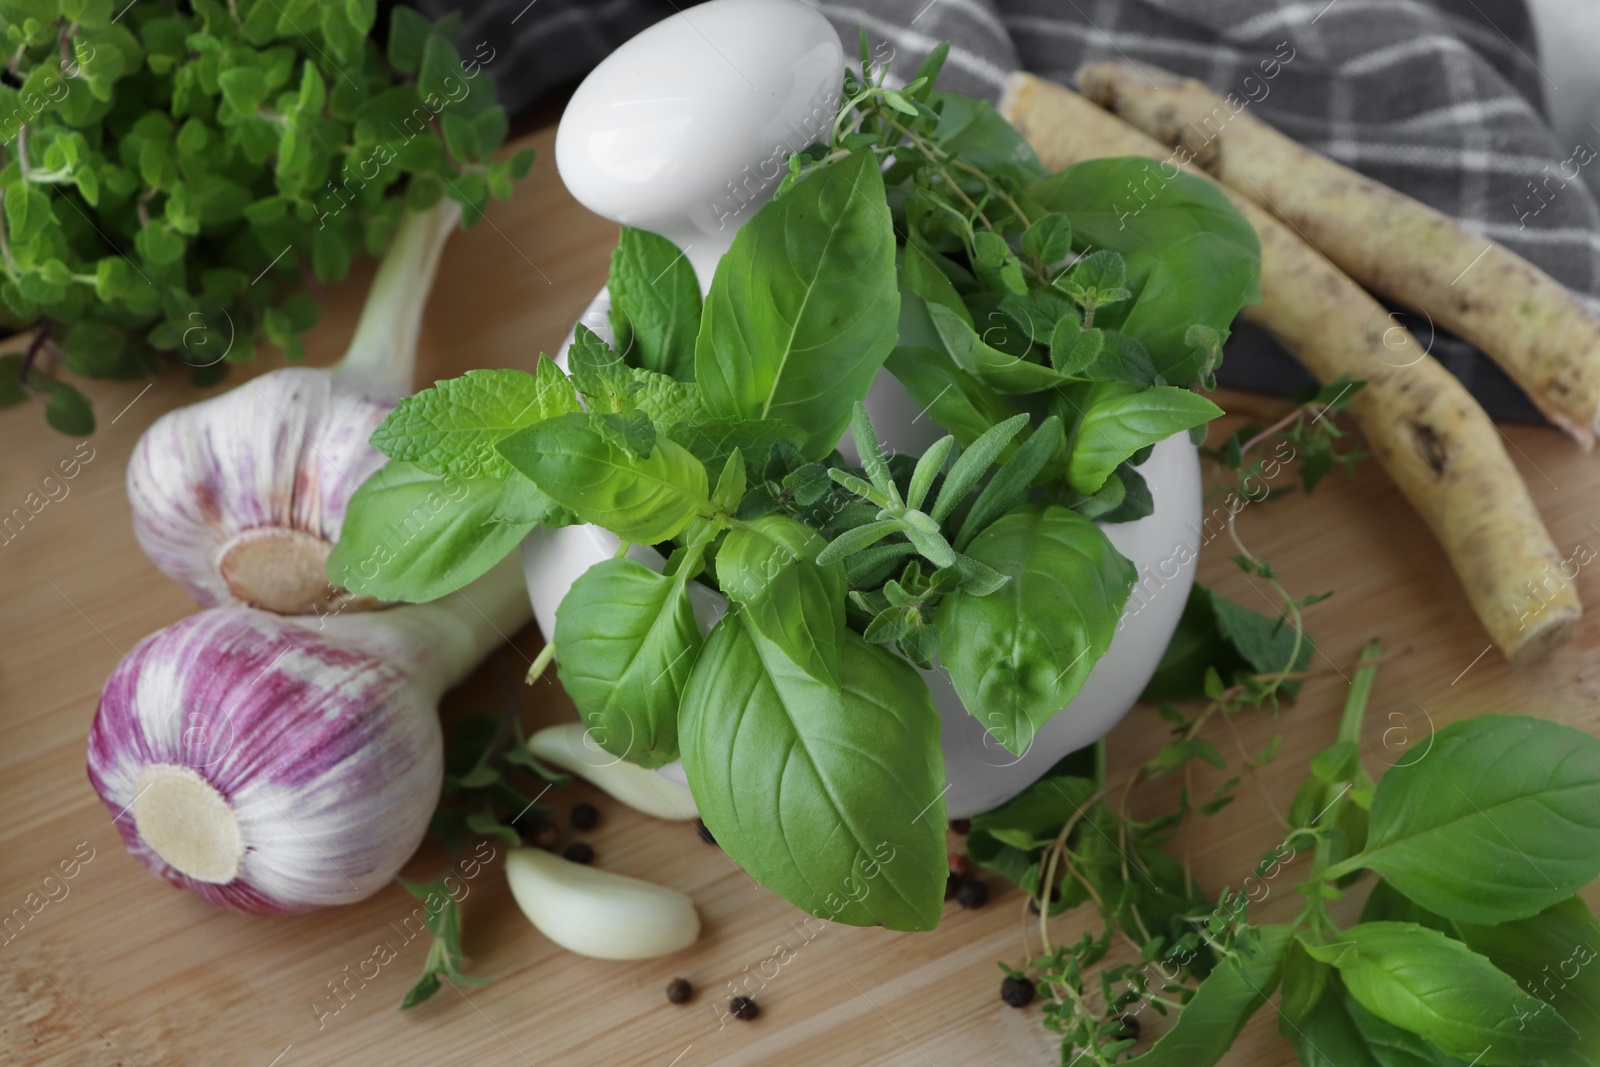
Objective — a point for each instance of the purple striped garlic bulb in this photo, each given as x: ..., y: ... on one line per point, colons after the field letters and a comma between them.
x: 241, y: 497
x: 274, y: 764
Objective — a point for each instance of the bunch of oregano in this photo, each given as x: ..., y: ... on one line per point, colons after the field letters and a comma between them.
x: 173, y: 174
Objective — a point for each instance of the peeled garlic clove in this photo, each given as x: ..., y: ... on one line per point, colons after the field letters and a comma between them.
x: 598, y: 913
x: 241, y: 497
x: 569, y: 747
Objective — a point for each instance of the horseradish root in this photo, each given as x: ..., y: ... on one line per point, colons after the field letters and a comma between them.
x: 1522, y: 318
x: 241, y: 497
x: 598, y: 913
x: 274, y: 764
x: 1432, y: 438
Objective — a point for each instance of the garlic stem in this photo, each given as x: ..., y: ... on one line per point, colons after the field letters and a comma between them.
x: 383, y: 353
x: 440, y: 642
x: 570, y: 747
x: 599, y: 913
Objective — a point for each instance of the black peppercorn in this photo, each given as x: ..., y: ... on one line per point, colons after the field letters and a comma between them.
x: 972, y: 894
x: 1016, y: 991
x: 705, y: 832
x: 951, y: 884
x: 544, y: 835
x: 961, y: 826
x: 743, y: 1008
x: 679, y: 991
x: 585, y: 816
x: 578, y: 852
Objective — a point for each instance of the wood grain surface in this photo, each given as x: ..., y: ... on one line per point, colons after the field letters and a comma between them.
x: 124, y: 969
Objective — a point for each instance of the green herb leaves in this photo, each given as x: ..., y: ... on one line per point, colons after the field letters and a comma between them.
x: 831, y: 798
x: 655, y: 303
x: 803, y: 307
x: 453, y: 427
x: 1018, y: 655
x: 1425, y: 982
x: 628, y: 640
x: 186, y: 167
x: 1118, y: 420
x: 1500, y: 820
x: 643, y: 499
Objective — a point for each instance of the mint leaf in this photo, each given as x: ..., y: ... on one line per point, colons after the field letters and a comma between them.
x: 453, y: 427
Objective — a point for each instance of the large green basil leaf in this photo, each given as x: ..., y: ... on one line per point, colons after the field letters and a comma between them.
x: 1119, y: 419
x: 1553, y: 955
x: 1127, y: 203
x: 626, y: 640
x: 998, y: 370
x: 768, y: 568
x: 1018, y: 655
x: 414, y: 536
x: 804, y: 307
x: 833, y: 799
x: 1222, y: 1004
x: 1341, y: 1033
x: 453, y: 427
x: 1203, y: 279
x: 1421, y: 980
x: 952, y: 398
x: 655, y: 303
x: 972, y: 130
x: 640, y: 500
x: 1498, y: 822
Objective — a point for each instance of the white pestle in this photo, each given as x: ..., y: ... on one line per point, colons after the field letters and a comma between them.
x: 686, y: 130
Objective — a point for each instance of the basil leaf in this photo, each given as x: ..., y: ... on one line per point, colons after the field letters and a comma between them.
x: 1094, y: 196
x: 804, y: 307
x: 1341, y: 1033
x: 1500, y: 821
x: 655, y: 303
x: 972, y: 129
x: 832, y: 799
x: 522, y: 502
x: 1018, y: 655
x: 1222, y: 1004
x: 1035, y: 816
x: 952, y: 398
x: 768, y: 568
x: 1552, y: 954
x: 644, y: 500
x: 414, y: 536
x: 924, y: 276
x: 1118, y: 420
x: 1201, y: 280
x: 1420, y: 980
x: 453, y: 427
x: 626, y: 640
x: 999, y: 371
x: 713, y: 440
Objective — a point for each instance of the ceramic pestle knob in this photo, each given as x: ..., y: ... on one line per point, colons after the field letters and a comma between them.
x: 687, y: 128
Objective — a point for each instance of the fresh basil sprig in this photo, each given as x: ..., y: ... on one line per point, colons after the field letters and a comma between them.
x: 918, y: 236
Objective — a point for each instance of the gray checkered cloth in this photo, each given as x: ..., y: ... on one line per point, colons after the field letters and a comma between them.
x: 1441, y: 99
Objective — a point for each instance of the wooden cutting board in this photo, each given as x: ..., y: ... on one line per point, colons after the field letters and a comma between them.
x: 124, y: 969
